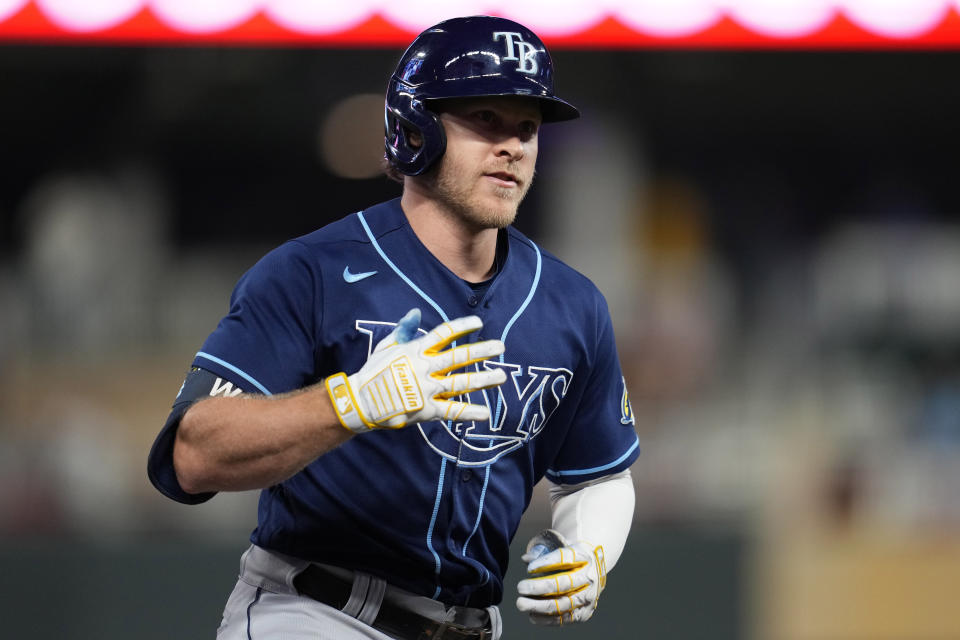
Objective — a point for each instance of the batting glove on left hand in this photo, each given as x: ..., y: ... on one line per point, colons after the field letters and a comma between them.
x: 409, y: 380
x: 567, y: 581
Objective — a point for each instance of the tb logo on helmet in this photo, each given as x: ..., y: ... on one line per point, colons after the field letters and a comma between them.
x: 526, y: 61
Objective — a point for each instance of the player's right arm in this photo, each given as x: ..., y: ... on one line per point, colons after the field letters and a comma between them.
x: 254, y: 441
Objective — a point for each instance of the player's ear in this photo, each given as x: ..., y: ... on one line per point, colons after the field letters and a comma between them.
x: 414, y: 138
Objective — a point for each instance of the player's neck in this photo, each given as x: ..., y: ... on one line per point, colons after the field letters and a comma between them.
x: 466, y: 250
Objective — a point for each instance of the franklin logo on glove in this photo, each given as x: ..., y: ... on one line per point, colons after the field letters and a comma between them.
x: 410, y: 393
x: 406, y: 381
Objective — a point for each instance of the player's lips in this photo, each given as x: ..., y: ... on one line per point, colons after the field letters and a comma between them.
x: 503, y: 178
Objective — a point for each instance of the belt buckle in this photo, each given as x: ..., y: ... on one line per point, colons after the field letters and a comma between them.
x: 463, y: 623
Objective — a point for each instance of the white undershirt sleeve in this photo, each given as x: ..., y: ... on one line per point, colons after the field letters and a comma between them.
x: 599, y: 512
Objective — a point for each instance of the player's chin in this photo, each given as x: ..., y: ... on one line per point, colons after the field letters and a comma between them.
x: 499, y: 208
x: 495, y: 217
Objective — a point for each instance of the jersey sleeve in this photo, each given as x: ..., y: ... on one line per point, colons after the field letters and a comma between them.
x: 266, y: 343
x: 602, y: 439
x: 197, y: 385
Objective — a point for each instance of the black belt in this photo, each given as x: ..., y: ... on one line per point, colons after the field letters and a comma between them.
x: 462, y: 623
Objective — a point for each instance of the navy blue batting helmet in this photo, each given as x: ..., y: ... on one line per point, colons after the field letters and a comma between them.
x: 459, y: 58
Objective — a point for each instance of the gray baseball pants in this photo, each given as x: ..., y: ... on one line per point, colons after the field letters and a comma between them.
x: 265, y: 605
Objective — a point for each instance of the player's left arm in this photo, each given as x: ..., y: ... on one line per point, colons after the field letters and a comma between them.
x: 568, y: 564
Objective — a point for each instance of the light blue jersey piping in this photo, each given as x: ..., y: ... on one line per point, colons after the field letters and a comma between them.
x: 443, y: 466
x: 523, y: 307
x: 433, y: 522
x: 483, y: 495
x: 583, y: 472
x: 403, y: 276
x: 239, y: 372
x: 503, y: 338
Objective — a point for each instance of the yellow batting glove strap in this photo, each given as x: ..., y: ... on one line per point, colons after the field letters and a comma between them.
x: 345, y: 403
x: 601, y: 566
x: 566, y: 562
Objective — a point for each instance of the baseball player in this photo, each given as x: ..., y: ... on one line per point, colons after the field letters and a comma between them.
x: 397, y: 382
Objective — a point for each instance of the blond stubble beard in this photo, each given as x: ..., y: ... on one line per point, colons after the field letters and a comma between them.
x: 456, y: 196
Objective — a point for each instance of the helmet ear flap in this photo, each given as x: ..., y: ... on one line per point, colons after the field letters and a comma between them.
x: 403, y: 116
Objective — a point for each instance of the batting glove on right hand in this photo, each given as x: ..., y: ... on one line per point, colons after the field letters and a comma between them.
x: 409, y: 380
x: 567, y: 580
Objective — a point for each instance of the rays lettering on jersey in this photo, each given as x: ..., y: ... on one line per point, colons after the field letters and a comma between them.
x: 519, y: 408
x: 538, y: 390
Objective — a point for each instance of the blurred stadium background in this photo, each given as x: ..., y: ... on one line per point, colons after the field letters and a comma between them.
x: 763, y: 190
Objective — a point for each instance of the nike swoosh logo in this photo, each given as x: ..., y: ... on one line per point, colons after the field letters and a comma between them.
x: 356, y: 277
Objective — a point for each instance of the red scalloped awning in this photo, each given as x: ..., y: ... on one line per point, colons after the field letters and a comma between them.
x: 934, y: 25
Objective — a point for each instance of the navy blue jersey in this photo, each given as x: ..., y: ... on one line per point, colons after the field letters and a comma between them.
x: 432, y: 507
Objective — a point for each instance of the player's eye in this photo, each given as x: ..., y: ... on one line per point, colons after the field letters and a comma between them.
x: 528, y: 128
x: 485, y: 116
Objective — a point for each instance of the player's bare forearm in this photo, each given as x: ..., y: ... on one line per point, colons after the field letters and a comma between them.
x: 253, y: 442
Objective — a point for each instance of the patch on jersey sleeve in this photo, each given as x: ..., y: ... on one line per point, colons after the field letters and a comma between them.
x: 200, y: 383
x: 224, y: 388
x: 626, y: 409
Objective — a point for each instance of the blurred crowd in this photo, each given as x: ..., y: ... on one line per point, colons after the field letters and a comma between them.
x: 100, y: 314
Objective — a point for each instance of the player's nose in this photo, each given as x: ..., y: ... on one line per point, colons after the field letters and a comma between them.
x: 511, y: 146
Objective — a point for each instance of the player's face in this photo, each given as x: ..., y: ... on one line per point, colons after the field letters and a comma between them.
x: 489, y: 162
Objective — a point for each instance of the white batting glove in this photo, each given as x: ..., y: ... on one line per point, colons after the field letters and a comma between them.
x: 406, y: 380
x: 567, y: 581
